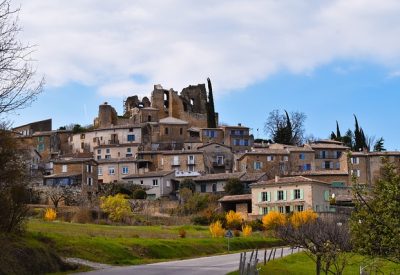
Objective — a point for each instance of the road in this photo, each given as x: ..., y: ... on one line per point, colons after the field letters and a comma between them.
x: 214, y: 265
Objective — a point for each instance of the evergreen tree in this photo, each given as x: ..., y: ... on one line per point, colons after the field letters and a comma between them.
x: 379, y: 147
x: 360, y: 142
x: 211, y: 121
x: 337, y: 136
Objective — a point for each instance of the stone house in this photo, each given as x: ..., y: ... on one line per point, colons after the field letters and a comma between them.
x: 78, y: 172
x: 238, y: 203
x: 212, y: 135
x: 238, y: 138
x: 157, y: 184
x: 185, y: 160
x: 113, y: 170
x: 366, y: 166
x: 330, y: 155
x: 218, y: 158
x: 289, y: 194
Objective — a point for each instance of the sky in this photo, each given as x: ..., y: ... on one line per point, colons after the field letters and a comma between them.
x: 328, y: 59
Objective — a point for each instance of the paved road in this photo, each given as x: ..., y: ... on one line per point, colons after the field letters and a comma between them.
x: 215, y: 265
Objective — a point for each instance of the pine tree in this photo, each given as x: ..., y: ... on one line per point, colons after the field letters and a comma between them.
x: 211, y: 121
x: 379, y: 147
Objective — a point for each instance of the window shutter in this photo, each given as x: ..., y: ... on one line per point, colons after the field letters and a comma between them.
x: 326, y: 195
x: 301, y: 194
x: 255, y: 165
x: 260, y: 210
x: 292, y: 194
x: 323, y: 165
x: 269, y: 196
x: 358, y: 173
x: 260, y: 197
x: 261, y: 164
x: 276, y: 195
x: 331, y: 165
x: 291, y: 208
x: 268, y: 209
x: 284, y: 195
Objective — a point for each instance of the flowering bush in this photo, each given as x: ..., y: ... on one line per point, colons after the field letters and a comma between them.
x: 273, y: 219
x: 303, y: 217
x: 233, y: 220
x: 247, y: 230
x: 50, y: 214
x: 216, y: 229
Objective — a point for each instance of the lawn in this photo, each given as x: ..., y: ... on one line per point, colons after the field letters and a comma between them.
x: 123, y: 245
x: 301, y: 264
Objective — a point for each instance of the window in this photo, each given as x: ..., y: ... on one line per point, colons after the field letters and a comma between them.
x: 246, y: 142
x: 236, y: 142
x: 285, y: 158
x: 155, y: 182
x: 166, y: 131
x: 327, y: 165
x: 322, y: 154
x: 257, y: 165
x: 40, y: 139
x: 100, y: 171
x: 264, y: 196
x: 141, y: 182
x: 356, y: 172
x: 128, y: 155
x: 241, y: 132
x: 111, y: 170
x: 107, y: 150
x: 270, y: 158
x: 175, y: 160
x: 125, y: 170
x: 203, y: 188
x: 337, y: 165
x: 210, y: 133
x: 130, y: 129
x: 214, y: 187
x: 129, y: 150
x: 220, y: 160
x: 82, y: 136
x: 280, y: 196
x: 89, y: 168
x: 296, y: 194
x: 265, y: 210
x: 302, y: 156
x: 40, y: 147
x: 281, y: 209
x: 191, y: 168
x: 107, y: 156
x: 148, y: 118
x: 355, y: 160
x: 181, y: 131
x: 299, y: 208
x: 89, y: 181
x: 99, y: 151
x: 131, y: 138
x: 64, y: 168
x: 82, y: 145
x: 190, y: 159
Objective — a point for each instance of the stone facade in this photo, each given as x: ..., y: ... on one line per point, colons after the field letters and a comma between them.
x: 186, y: 161
x: 218, y: 158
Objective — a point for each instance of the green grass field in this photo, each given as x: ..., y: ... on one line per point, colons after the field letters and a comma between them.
x: 301, y: 264
x: 123, y: 245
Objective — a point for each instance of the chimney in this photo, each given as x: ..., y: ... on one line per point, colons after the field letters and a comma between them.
x: 276, y: 178
x: 239, y: 124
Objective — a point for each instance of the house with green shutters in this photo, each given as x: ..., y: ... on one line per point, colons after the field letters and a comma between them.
x: 289, y: 194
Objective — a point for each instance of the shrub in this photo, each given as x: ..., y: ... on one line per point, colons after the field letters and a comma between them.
x: 117, y: 207
x: 200, y: 220
x: 234, y: 187
x: 247, y: 230
x: 256, y: 225
x: 182, y: 233
x: 233, y: 219
x: 236, y: 233
x: 303, y: 217
x: 216, y: 229
x: 50, y: 214
x: 139, y: 194
x: 273, y: 219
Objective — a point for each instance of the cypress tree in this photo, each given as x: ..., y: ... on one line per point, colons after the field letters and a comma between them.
x: 211, y: 121
x: 338, y: 135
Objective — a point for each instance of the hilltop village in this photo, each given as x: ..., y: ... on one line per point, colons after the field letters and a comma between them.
x: 160, y: 141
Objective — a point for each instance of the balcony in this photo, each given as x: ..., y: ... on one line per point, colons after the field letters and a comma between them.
x: 113, y: 142
x: 176, y: 163
x: 218, y: 163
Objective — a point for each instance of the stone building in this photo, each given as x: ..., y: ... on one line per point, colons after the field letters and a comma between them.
x: 238, y: 138
x: 37, y: 126
x: 113, y: 170
x: 185, y: 161
x: 330, y: 155
x: 218, y: 158
x: 289, y: 194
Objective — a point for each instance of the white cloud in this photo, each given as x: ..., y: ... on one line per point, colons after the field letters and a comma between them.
x: 177, y: 43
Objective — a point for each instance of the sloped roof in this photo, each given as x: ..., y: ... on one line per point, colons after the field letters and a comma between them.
x: 220, y: 176
x: 149, y: 175
x: 214, y: 143
x: 172, y: 120
x: 244, y: 197
x: 288, y: 180
x: 63, y: 175
x: 252, y: 176
x: 322, y: 173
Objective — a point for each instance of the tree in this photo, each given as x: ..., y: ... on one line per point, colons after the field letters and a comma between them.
x: 211, y: 120
x: 18, y: 87
x: 57, y: 194
x: 139, y: 194
x: 117, y: 207
x: 188, y: 183
x: 285, y: 128
x: 359, y: 137
x: 375, y: 223
x: 326, y: 241
x: 379, y: 147
x: 234, y: 186
x: 14, y: 194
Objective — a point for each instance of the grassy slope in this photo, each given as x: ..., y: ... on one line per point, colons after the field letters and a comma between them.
x: 301, y: 264
x: 136, y: 244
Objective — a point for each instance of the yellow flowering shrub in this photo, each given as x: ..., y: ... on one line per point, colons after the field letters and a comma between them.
x: 117, y: 207
x: 233, y: 219
x: 216, y: 229
x: 303, y: 217
x: 247, y: 230
x: 50, y: 214
x: 273, y: 219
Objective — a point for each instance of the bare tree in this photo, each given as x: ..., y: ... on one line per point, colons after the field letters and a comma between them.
x: 18, y: 87
x: 326, y: 241
x: 67, y: 194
